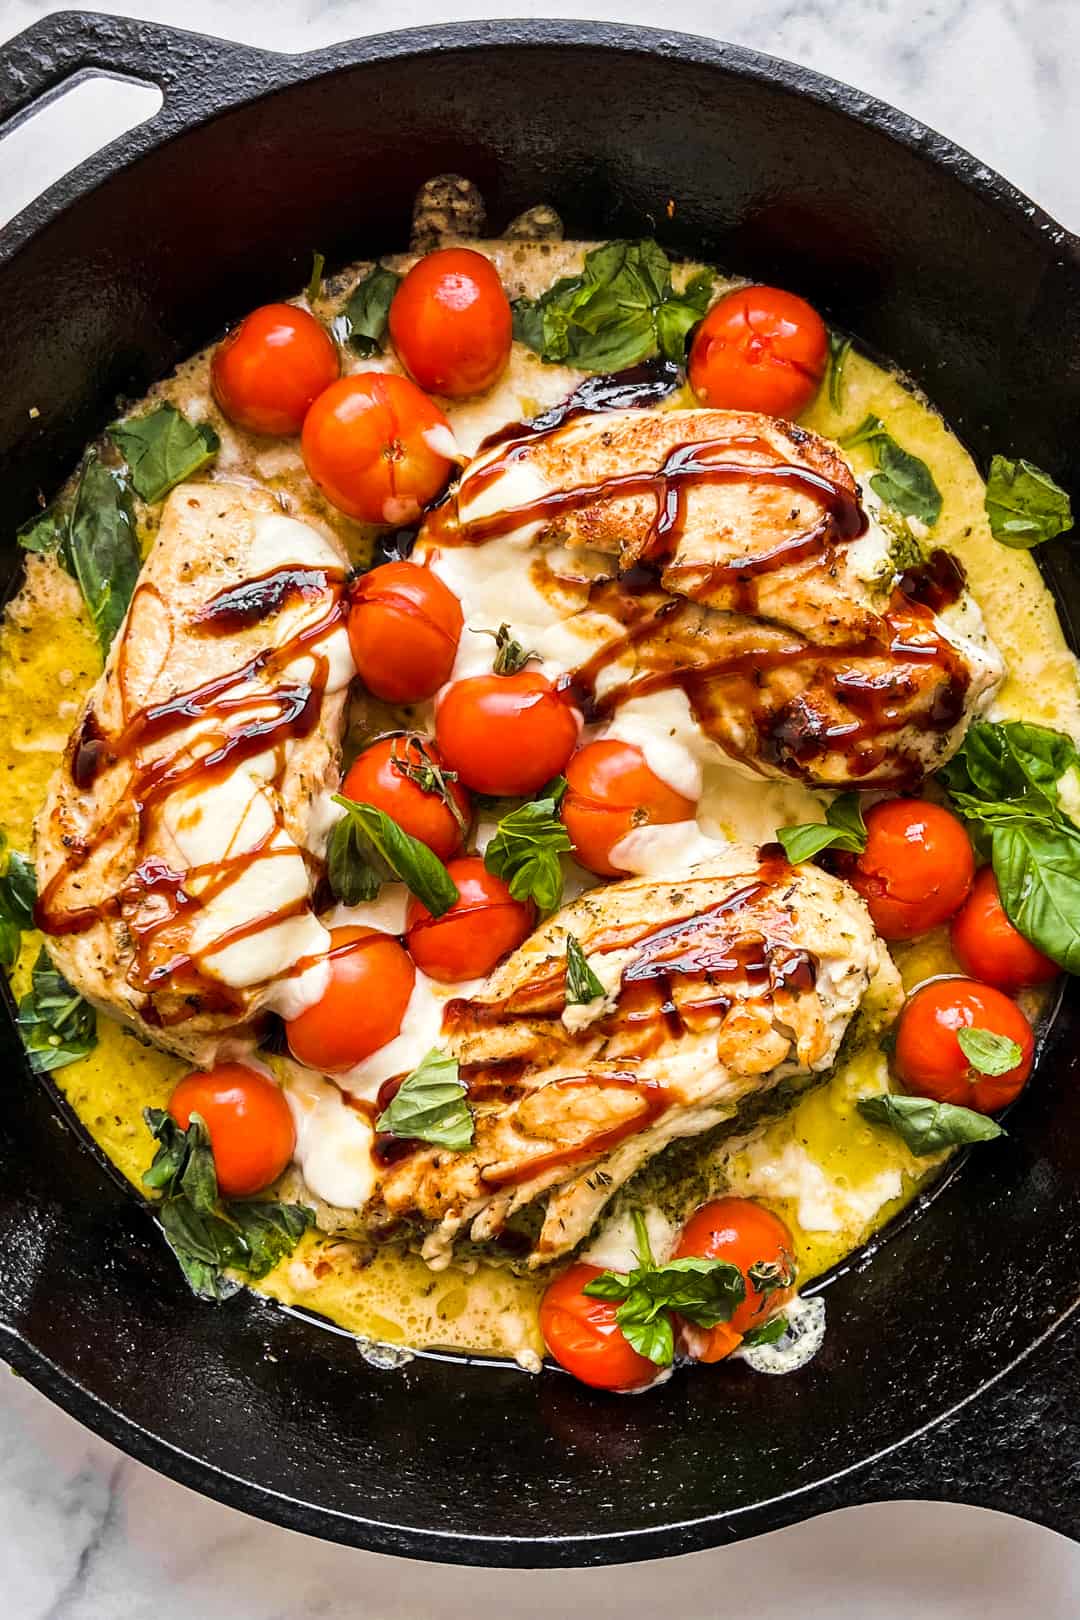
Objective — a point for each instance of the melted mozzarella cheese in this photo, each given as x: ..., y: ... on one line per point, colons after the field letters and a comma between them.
x: 333, y: 1141
x: 823, y: 1204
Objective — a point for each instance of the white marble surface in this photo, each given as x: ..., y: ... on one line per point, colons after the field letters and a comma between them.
x: 87, y: 1534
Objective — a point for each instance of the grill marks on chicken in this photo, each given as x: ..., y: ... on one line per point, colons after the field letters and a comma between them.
x: 733, y: 570
x: 722, y: 983
x: 173, y: 847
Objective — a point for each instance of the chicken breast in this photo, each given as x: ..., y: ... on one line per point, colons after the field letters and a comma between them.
x: 174, y: 849
x: 729, y: 554
x: 716, y: 984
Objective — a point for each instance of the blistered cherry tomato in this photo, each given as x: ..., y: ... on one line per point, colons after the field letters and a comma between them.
x: 584, y: 1337
x: 610, y: 792
x: 401, y: 775
x: 987, y: 946
x: 451, y: 324
x: 268, y: 371
x: 916, y: 869
x: 759, y: 349
x: 484, y: 924
x: 505, y: 735
x: 371, y: 980
x: 251, y: 1129
x: 749, y: 1236
x: 928, y: 1056
x: 404, y: 625
x: 377, y: 447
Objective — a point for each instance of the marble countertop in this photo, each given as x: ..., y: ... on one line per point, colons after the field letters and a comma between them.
x: 88, y: 1534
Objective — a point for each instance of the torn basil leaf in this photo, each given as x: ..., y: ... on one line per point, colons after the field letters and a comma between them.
x: 928, y: 1127
x: 367, y: 310
x: 431, y: 1105
x: 705, y: 1292
x: 210, y: 1236
x: 842, y: 829
x: 163, y: 448
x: 102, y: 545
x: 582, y: 985
x: 1024, y: 505
x: 526, y: 848
x: 18, y: 892
x: 57, y: 1026
x: 902, y: 480
x: 988, y: 1053
x: 367, y: 848
x: 621, y: 309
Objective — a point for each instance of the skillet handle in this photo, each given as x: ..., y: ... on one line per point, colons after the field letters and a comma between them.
x: 187, y: 68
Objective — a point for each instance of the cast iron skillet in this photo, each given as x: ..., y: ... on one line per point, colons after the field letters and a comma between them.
x: 142, y: 255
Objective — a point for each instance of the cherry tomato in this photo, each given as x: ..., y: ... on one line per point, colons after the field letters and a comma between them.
x: 371, y: 980
x: 928, y: 1057
x: 505, y: 735
x: 759, y: 349
x: 916, y: 869
x: 987, y: 946
x: 748, y: 1236
x: 377, y: 447
x: 584, y: 1337
x: 250, y: 1126
x: 404, y: 626
x: 484, y: 923
x: 390, y: 775
x: 268, y: 370
x: 451, y: 324
x: 610, y: 791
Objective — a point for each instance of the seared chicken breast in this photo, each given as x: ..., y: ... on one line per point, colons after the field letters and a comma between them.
x: 175, y: 848
x: 716, y: 984
x: 729, y: 554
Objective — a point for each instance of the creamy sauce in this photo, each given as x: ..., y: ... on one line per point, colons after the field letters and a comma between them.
x: 832, y: 1178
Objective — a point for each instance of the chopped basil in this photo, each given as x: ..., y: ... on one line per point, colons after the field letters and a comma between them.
x: 705, y: 1292
x: 314, y: 286
x: 431, y: 1105
x: 988, y: 1053
x: 842, y: 829
x: 1024, y: 505
x: 526, y: 848
x: 102, y: 545
x: 367, y: 310
x: 207, y: 1234
x: 928, y: 1127
x: 18, y: 892
x: 1005, y: 782
x: 902, y: 481
x: 839, y: 349
x: 163, y: 448
x: 57, y: 1026
x: 621, y: 309
x: 367, y: 848
x: 582, y: 985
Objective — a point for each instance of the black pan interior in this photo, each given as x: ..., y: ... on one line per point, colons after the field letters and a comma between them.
x: 909, y: 244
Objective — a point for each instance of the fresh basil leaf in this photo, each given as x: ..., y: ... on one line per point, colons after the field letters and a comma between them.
x: 988, y: 1053
x: 582, y: 985
x: 770, y: 1332
x: 171, y: 1156
x: 367, y: 310
x: 839, y: 349
x: 648, y: 1332
x: 1024, y: 505
x: 526, y: 848
x: 374, y: 844
x: 57, y: 1026
x: 198, y: 1178
x: 203, y: 1245
x: 163, y: 448
x: 103, y: 547
x: 902, y: 481
x: 928, y: 1127
x: 10, y: 939
x: 269, y: 1232
x: 843, y: 829
x: 47, y: 532
x: 609, y: 1285
x: 430, y: 1105
x: 618, y: 311
x: 19, y: 888
x: 1037, y: 867
x: 314, y: 286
